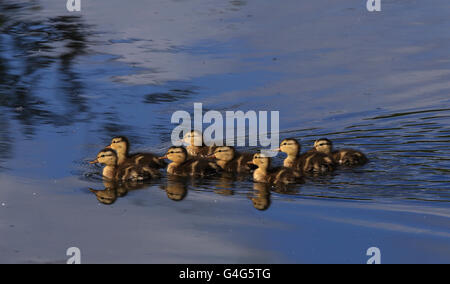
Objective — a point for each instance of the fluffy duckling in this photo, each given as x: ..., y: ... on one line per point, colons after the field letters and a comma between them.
x: 276, y: 176
x: 182, y: 165
x: 192, y: 141
x: 343, y: 157
x: 121, y: 145
x: 307, y: 163
x: 127, y: 171
x: 232, y: 161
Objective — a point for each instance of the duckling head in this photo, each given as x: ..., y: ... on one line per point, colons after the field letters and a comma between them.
x: 121, y: 145
x: 193, y: 138
x: 323, y: 145
x: 106, y: 157
x: 261, y: 161
x: 224, y: 153
x: 290, y: 146
x: 177, y: 155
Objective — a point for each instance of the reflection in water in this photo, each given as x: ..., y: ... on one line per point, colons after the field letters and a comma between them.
x: 115, y: 190
x: 176, y: 188
x: 261, y: 196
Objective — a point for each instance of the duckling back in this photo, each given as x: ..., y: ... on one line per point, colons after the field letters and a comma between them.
x: 195, y: 167
x: 283, y: 176
x: 131, y: 171
x: 350, y: 158
x: 314, y: 162
x: 148, y: 159
x: 240, y: 164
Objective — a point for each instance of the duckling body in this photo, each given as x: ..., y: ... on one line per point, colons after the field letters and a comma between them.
x: 274, y: 176
x: 121, y: 145
x: 342, y: 157
x: 307, y: 163
x: 196, y: 147
x: 183, y: 165
x: 232, y: 161
x: 127, y: 171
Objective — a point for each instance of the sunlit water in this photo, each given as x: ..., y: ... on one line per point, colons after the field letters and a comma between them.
x: 377, y: 82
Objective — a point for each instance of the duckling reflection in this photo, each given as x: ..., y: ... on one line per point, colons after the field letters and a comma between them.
x: 114, y: 190
x: 107, y: 196
x: 261, y: 196
x: 225, y: 184
x: 176, y: 188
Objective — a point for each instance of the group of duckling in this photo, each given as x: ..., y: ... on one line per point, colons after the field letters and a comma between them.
x: 201, y: 161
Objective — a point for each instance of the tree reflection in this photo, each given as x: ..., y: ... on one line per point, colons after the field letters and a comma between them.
x: 30, y: 51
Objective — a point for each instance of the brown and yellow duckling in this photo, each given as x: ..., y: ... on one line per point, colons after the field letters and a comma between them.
x: 275, y: 176
x: 127, y: 171
x: 343, y: 157
x: 183, y: 165
x: 195, y: 145
x: 121, y: 145
x: 307, y: 163
x: 232, y: 161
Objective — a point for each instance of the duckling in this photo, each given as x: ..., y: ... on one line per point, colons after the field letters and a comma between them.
x: 193, y: 139
x: 307, y: 163
x: 232, y: 161
x: 121, y: 145
x: 275, y: 176
x: 182, y: 165
x: 343, y: 157
x: 127, y: 171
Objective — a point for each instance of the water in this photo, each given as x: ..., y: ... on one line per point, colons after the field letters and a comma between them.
x: 378, y: 82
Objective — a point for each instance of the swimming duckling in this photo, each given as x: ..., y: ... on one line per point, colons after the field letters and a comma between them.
x: 127, y: 171
x: 182, y: 165
x: 193, y: 139
x: 232, y: 161
x: 121, y: 145
x: 343, y: 157
x: 276, y: 176
x: 307, y: 163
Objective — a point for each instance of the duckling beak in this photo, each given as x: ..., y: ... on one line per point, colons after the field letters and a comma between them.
x: 250, y: 163
x: 277, y: 150
x: 162, y: 158
x: 94, y: 162
x: 212, y: 156
x: 108, y: 147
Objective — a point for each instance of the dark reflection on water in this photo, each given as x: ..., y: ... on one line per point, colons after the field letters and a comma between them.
x: 28, y: 51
